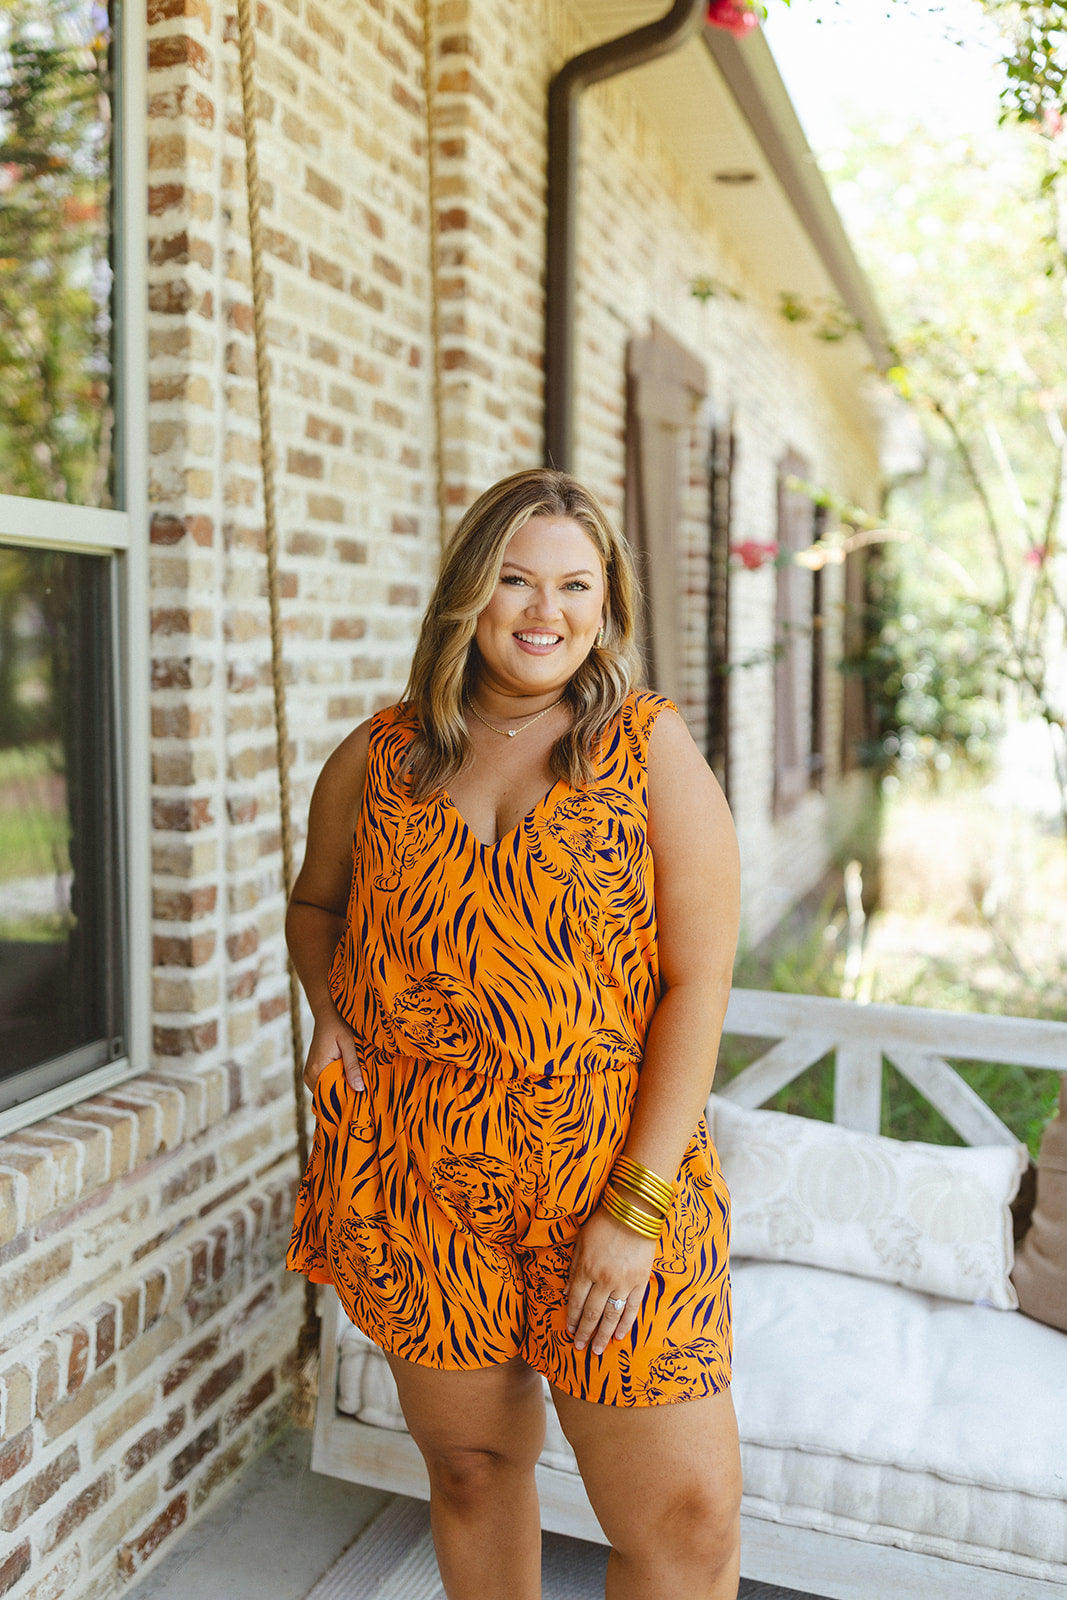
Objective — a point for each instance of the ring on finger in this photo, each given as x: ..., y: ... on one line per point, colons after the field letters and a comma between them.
x: 617, y: 1305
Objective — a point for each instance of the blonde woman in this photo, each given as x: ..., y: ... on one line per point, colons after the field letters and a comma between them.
x: 515, y: 925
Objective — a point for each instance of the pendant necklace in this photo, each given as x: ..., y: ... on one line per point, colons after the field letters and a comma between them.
x: 509, y: 733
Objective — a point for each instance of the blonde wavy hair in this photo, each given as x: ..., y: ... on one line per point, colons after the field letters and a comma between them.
x: 445, y: 663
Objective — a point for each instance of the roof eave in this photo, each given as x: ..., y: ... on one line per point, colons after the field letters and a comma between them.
x: 751, y: 74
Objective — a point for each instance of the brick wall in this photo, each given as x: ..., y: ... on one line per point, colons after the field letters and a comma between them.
x: 147, y: 1331
x: 147, y: 1325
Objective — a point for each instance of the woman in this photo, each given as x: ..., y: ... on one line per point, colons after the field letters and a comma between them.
x: 518, y: 978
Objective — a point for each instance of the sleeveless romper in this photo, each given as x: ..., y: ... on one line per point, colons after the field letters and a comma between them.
x: 500, y: 996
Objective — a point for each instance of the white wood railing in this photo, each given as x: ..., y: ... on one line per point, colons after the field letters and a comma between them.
x: 914, y: 1040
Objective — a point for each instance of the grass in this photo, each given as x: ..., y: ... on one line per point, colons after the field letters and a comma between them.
x: 52, y: 929
x: 973, y: 917
x: 34, y: 824
x: 21, y: 762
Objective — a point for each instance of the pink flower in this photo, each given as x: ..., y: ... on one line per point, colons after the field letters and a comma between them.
x: 736, y: 16
x: 1035, y: 556
x: 753, y: 554
x: 1052, y: 122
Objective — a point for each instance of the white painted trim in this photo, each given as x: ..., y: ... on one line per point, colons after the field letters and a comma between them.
x: 58, y: 526
x: 65, y: 1095
x: 966, y: 1035
x: 132, y: 376
x: 839, y: 1568
x: 123, y: 534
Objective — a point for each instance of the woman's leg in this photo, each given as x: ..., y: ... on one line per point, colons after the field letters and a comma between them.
x: 480, y: 1434
x: 665, y: 1483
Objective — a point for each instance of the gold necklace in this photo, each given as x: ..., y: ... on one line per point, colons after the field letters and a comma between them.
x: 509, y: 733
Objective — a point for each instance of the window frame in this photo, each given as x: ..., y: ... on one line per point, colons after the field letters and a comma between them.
x: 122, y: 536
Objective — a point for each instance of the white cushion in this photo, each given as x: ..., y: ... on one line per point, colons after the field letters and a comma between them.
x: 901, y: 1417
x: 871, y: 1411
x: 929, y: 1217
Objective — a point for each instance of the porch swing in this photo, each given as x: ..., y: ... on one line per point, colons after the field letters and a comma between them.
x: 919, y: 1477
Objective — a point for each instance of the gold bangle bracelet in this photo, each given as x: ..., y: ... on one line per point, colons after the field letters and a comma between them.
x: 633, y: 1169
x: 644, y: 1182
x: 630, y: 1216
x: 647, y: 1193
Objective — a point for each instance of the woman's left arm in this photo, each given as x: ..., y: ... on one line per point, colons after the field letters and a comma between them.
x: 694, y: 851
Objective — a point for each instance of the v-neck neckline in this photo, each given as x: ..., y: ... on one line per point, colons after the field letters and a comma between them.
x: 504, y: 837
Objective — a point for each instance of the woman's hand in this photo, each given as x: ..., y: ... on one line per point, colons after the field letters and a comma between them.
x: 609, y: 1262
x: 332, y: 1040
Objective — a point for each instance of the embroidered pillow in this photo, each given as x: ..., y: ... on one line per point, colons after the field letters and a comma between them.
x: 929, y: 1217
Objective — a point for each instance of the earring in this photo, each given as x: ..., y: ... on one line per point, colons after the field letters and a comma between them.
x: 599, y: 637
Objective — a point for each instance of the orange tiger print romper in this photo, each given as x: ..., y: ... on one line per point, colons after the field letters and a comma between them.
x: 500, y: 996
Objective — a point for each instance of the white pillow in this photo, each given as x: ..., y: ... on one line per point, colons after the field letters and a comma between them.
x: 929, y: 1217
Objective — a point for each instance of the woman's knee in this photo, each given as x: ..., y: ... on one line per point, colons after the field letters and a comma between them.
x: 697, y: 1523
x: 476, y: 1430
x: 469, y: 1476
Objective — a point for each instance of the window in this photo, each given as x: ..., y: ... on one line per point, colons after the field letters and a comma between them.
x: 799, y: 667
x: 73, y: 610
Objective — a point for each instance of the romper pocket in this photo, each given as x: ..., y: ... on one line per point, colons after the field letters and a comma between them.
x: 330, y: 1093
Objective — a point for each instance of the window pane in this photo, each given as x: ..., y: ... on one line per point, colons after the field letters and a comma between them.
x: 56, y: 412
x: 59, y: 898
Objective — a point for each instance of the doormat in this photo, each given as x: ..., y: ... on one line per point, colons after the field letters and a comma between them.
x: 393, y: 1559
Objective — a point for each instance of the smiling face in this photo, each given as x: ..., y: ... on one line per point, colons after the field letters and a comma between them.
x: 547, y: 606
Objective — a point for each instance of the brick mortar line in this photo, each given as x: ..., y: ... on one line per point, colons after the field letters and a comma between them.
x: 191, y: 1265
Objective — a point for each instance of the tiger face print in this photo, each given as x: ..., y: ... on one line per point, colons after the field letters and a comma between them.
x: 388, y: 1281
x: 477, y: 1190
x: 439, y: 1018
x: 679, y: 1372
x: 414, y: 836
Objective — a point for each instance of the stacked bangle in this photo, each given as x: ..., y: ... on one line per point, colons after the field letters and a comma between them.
x: 644, y: 1182
x: 631, y: 1216
x: 658, y: 1193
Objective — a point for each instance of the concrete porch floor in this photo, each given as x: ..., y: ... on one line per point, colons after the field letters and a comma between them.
x: 271, y: 1537
x: 280, y: 1528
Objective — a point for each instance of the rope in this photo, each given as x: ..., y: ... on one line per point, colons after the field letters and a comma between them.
x: 428, y: 63
x: 246, y: 44
x: 308, y: 1338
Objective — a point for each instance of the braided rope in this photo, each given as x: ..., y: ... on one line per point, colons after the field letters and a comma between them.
x: 246, y: 45
x: 428, y: 61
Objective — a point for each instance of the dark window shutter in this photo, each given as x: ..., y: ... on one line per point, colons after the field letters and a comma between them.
x: 793, y: 643
x: 722, y: 458
x: 817, y: 699
x: 663, y: 380
x: 854, y: 729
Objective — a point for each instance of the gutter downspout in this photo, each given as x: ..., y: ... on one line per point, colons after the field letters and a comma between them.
x: 592, y: 66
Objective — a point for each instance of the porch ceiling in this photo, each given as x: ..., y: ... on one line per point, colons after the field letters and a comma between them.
x: 719, y: 106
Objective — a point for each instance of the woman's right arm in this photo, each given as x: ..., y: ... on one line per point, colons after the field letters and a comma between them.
x: 315, y: 919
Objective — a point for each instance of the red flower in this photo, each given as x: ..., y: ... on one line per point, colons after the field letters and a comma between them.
x: 753, y: 554
x: 736, y: 16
